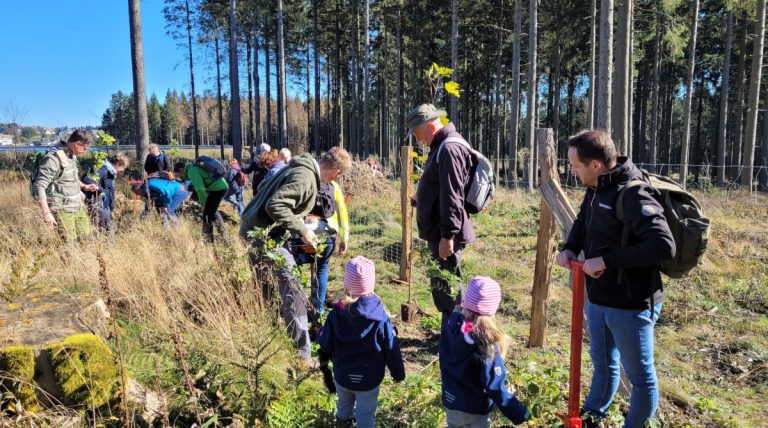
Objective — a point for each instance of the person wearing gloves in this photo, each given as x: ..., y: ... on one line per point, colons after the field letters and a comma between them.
x: 472, y: 350
x: 360, y: 340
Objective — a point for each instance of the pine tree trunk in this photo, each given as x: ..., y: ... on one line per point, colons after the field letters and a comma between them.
x: 653, y: 146
x: 750, y: 133
x: 316, y: 121
x: 603, y: 112
x: 556, y: 82
x: 366, y: 82
x: 192, y: 82
x: 532, y: 89
x: 218, y: 93
x: 281, y: 100
x: 400, y: 102
x: 689, y: 96
x: 592, y: 66
x: 353, y: 132
x: 139, y: 90
x: 623, y: 89
x: 236, y: 132
x: 454, y: 52
x: 256, y: 90
x: 722, y: 129
x: 250, y: 93
x: 514, y: 120
x: 738, y: 111
x: 268, y: 91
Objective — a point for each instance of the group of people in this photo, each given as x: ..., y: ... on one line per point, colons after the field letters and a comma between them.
x: 301, y: 211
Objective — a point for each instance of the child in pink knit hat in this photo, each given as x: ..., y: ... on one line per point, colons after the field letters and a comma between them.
x: 358, y: 337
x: 472, y: 350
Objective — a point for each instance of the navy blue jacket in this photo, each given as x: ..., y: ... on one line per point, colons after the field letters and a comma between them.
x: 106, y: 185
x: 598, y: 232
x: 361, y: 341
x: 471, y: 382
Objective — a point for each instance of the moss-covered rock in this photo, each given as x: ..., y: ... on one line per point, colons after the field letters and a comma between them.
x: 17, y: 364
x: 85, y: 370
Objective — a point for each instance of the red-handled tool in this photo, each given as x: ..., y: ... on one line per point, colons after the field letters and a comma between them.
x: 573, y: 420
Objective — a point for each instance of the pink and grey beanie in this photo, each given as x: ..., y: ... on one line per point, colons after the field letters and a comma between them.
x: 482, y: 296
x: 359, y: 276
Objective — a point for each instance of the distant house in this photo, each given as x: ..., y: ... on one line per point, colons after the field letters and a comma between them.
x: 6, y: 140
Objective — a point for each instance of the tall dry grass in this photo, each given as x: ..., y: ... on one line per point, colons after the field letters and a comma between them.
x: 160, y: 281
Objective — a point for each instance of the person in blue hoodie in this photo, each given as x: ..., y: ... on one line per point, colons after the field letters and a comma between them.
x: 472, y: 350
x: 101, y: 203
x: 360, y: 340
x: 165, y: 194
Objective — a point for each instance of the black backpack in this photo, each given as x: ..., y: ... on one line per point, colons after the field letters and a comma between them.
x: 325, y: 205
x: 213, y: 167
x: 685, y: 217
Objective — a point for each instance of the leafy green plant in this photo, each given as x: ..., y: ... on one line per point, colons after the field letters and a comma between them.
x: 431, y: 322
x: 435, y: 76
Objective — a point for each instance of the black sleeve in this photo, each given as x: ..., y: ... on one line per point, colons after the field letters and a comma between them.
x: 574, y: 241
x: 645, y: 217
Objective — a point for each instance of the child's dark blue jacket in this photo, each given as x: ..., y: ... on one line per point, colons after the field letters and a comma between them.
x: 471, y: 382
x: 361, y: 341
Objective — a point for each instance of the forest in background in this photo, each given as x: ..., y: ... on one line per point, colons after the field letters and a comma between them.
x: 676, y: 82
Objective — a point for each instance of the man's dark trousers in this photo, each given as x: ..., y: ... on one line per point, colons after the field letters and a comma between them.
x: 444, y: 300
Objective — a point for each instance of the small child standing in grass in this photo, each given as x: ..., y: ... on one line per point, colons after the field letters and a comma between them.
x: 359, y: 338
x: 472, y: 350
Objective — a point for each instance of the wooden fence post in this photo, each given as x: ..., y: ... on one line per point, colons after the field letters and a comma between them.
x: 545, y: 247
x: 406, y: 190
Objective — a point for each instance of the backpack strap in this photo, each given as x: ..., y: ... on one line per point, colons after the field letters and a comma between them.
x: 458, y: 140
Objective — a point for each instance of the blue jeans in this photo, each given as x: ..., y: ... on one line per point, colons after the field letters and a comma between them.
x: 236, y: 199
x: 459, y: 419
x: 176, y: 202
x: 319, y: 281
x: 626, y: 336
x: 360, y: 405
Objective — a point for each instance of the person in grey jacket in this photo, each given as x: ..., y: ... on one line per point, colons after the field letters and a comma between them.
x: 57, y: 187
x: 441, y: 217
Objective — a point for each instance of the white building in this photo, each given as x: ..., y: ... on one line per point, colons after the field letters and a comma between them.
x: 6, y: 140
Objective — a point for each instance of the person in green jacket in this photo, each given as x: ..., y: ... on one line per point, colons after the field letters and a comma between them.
x: 209, y: 192
x: 281, y: 203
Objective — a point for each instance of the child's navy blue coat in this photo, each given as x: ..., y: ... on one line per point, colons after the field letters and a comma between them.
x: 471, y: 382
x: 361, y: 341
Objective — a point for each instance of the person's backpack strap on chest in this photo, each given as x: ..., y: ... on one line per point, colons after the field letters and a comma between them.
x: 481, y: 185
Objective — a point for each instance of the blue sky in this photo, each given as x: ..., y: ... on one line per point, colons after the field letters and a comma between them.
x: 62, y: 59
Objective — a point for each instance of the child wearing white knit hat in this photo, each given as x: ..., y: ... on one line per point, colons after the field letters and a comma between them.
x: 360, y: 340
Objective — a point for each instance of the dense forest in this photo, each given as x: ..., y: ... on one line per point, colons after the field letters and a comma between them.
x: 677, y: 82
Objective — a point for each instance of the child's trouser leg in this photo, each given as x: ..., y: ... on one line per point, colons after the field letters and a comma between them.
x: 345, y: 405
x: 459, y: 419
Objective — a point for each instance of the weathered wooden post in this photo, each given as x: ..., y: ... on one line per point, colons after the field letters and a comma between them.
x: 545, y: 247
x: 409, y: 309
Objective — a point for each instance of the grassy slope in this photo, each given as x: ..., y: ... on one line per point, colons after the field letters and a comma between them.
x: 711, y: 342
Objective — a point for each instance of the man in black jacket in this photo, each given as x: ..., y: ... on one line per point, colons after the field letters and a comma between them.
x: 440, y: 215
x: 623, y: 281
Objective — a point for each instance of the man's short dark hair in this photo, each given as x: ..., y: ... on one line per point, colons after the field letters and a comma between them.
x: 82, y: 136
x: 594, y: 144
x: 179, y: 166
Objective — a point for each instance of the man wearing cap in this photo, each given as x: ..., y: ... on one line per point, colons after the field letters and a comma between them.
x: 440, y: 215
